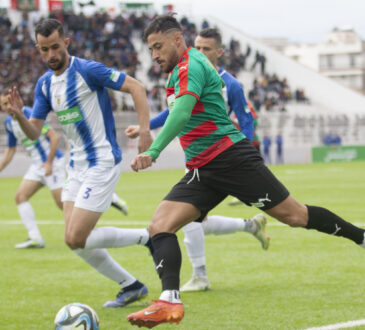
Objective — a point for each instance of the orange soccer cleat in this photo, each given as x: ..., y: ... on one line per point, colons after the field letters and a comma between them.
x: 160, y: 311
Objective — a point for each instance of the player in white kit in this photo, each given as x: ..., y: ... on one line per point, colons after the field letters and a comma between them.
x: 47, y: 169
x: 76, y: 90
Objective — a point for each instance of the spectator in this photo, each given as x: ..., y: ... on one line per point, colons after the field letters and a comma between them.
x: 266, y: 141
x: 279, y: 149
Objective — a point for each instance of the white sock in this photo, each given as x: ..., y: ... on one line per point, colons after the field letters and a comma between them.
x: 172, y: 296
x: 102, y: 261
x: 27, y: 215
x: 111, y: 237
x: 219, y: 225
x: 194, y: 242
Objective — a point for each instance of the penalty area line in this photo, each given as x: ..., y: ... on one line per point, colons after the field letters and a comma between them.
x: 344, y: 325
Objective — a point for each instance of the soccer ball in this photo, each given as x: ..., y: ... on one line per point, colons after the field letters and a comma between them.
x: 76, y: 316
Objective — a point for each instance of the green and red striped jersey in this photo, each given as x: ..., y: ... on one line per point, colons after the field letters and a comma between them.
x: 209, y: 130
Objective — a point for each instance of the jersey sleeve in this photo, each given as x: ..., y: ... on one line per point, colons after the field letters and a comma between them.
x: 160, y: 119
x: 101, y: 76
x: 191, y: 79
x: 237, y: 102
x: 42, y: 105
x: 12, y: 141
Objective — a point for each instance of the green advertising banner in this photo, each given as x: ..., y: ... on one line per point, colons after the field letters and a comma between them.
x: 338, y: 154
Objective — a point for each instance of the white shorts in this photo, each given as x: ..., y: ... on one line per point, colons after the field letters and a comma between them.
x: 91, y: 189
x: 55, y: 180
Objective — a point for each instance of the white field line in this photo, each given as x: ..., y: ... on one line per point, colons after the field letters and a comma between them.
x: 61, y: 222
x: 123, y: 222
x: 349, y: 324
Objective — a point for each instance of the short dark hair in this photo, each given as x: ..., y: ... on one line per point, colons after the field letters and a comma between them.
x: 212, y: 33
x: 48, y: 26
x: 162, y: 24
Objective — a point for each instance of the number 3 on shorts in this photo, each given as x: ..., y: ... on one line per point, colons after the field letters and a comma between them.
x: 87, y: 193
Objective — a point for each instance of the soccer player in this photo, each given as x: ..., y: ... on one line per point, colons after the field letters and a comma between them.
x: 209, y: 42
x: 47, y: 169
x: 221, y: 161
x: 76, y: 90
x: 43, y: 171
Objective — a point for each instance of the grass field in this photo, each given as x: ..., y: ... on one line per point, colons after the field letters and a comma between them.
x: 305, y: 279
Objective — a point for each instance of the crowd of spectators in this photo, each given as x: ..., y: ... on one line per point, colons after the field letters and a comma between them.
x: 97, y: 37
x: 109, y: 40
x: 273, y: 93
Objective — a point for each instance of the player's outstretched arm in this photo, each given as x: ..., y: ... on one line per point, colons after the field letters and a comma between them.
x: 138, y: 92
x: 32, y: 127
x: 132, y: 131
x: 7, y: 158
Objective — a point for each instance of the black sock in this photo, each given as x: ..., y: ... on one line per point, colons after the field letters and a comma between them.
x: 135, y: 285
x: 327, y: 222
x: 167, y: 257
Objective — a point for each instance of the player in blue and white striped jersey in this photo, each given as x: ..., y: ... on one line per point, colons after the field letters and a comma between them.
x: 76, y: 90
x: 47, y: 169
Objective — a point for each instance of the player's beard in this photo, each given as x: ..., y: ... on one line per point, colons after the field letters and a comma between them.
x: 172, y: 62
x: 56, y: 66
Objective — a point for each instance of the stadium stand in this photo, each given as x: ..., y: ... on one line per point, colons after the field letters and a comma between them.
x: 290, y: 99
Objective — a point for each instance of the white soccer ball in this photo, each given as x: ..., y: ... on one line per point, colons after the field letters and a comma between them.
x: 76, y: 316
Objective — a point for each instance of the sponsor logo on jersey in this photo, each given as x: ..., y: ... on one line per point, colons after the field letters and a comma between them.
x: 114, y: 76
x: 69, y: 116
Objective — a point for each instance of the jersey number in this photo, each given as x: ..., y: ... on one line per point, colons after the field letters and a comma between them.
x: 87, y: 193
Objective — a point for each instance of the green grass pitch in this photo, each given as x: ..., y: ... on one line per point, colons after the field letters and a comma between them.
x: 305, y: 279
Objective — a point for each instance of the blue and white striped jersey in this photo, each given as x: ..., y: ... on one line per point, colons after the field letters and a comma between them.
x: 37, y: 149
x: 80, y: 99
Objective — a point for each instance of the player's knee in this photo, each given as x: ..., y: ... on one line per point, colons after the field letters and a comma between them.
x: 20, y: 198
x: 74, y: 241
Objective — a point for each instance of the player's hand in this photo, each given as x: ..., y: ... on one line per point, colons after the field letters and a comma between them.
x: 47, y: 168
x: 141, y: 162
x: 15, y: 102
x: 132, y: 131
x: 145, y: 141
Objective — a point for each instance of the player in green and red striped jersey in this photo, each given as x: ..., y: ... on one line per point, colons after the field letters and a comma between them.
x: 222, y: 162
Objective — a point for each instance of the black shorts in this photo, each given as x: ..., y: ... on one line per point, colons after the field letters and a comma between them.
x: 238, y: 171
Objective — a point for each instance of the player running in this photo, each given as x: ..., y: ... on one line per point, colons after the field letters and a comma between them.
x: 76, y: 90
x: 221, y: 160
x: 47, y: 169
x: 209, y: 42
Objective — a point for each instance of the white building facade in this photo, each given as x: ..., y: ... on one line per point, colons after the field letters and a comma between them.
x: 341, y: 57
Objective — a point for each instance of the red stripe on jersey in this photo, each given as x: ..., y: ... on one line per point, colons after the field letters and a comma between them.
x: 198, y: 108
x: 199, y: 131
x: 183, y: 74
x: 170, y: 91
x: 208, y: 154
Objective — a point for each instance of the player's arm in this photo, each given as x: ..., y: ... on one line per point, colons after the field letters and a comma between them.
x: 53, y: 145
x: 175, y: 122
x: 32, y: 127
x: 238, y: 103
x: 138, y: 93
x: 132, y: 131
x: 7, y: 158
